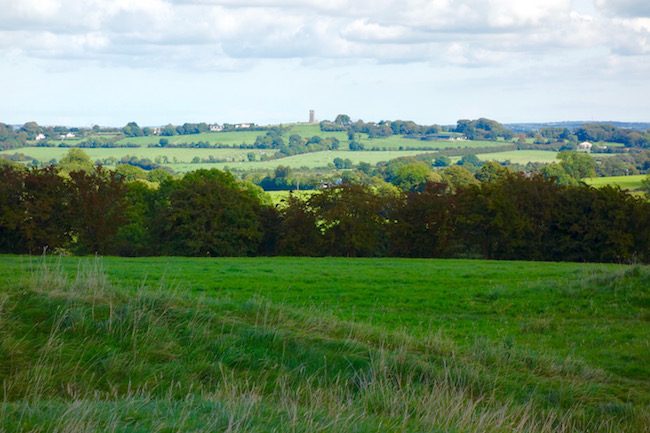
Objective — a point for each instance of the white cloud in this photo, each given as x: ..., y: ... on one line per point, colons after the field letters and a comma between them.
x: 208, y: 33
x: 625, y: 8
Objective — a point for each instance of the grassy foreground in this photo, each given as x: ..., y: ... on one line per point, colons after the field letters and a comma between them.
x: 336, y: 345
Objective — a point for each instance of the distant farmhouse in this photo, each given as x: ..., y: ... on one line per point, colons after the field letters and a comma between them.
x: 585, y: 146
x: 215, y: 127
x: 40, y: 137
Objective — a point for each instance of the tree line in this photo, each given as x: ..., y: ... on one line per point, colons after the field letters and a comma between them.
x: 211, y: 213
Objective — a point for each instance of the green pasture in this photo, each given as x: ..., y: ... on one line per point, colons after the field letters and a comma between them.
x: 321, y: 159
x: 230, y: 138
x: 182, y: 155
x: 279, y: 196
x: 397, y: 142
x: 323, y: 344
x: 631, y: 183
x: 520, y: 156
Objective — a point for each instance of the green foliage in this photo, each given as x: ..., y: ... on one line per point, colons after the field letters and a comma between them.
x: 491, y: 171
x: 413, y: 175
x: 352, y: 219
x: 458, y: 177
x: 645, y: 185
x: 34, y: 210
x: 340, y: 163
x: 130, y: 173
x: 578, y: 165
x: 97, y: 208
x: 132, y: 130
x: 483, y: 129
x: 210, y: 213
x: 75, y: 160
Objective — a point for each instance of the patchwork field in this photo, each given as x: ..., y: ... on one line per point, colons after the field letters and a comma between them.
x: 324, y: 344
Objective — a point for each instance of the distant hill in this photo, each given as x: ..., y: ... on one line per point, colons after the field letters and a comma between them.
x: 525, y: 127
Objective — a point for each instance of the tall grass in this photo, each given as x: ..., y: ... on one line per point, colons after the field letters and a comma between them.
x: 81, y: 355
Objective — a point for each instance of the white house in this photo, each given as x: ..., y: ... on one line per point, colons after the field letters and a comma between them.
x: 216, y: 127
x: 70, y: 135
x: 585, y: 146
x: 40, y: 137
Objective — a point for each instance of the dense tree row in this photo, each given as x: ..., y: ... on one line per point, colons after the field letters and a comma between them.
x: 209, y: 212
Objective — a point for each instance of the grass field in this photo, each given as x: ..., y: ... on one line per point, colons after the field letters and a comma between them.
x: 335, y: 345
x: 321, y: 159
x: 182, y: 155
x: 279, y: 196
x: 520, y: 156
x: 396, y: 142
x: 631, y: 183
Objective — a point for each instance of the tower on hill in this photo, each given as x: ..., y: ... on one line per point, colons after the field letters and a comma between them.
x: 312, y: 116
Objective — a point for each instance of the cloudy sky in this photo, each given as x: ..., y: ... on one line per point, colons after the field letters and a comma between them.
x: 81, y: 62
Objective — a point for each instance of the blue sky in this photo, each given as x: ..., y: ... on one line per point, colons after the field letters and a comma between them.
x: 268, y: 61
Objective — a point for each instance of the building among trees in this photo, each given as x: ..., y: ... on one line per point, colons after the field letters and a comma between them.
x: 585, y: 146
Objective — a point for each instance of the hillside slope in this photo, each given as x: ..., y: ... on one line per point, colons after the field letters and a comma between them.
x: 277, y: 345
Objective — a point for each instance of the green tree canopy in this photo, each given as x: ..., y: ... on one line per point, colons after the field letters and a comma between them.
x: 75, y: 160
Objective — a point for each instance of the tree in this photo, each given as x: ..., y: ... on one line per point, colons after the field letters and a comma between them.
x: 341, y: 163
x: 209, y: 212
x: 557, y: 173
x: 414, y: 175
x: 34, y: 207
x: 343, y: 120
x: 130, y: 173
x: 469, y: 161
x: 458, y: 177
x: 352, y: 219
x: 299, y: 233
x: 645, y: 185
x: 442, y: 161
x: 424, y: 223
x: 491, y: 171
x: 577, y: 164
x: 282, y: 171
x: 75, y: 160
x: 132, y: 130
x: 97, y: 207
x: 31, y: 129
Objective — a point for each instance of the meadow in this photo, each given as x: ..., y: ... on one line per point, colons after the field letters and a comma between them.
x: 520, y: 156
x: 323, y: 344
x: 631, y: 183
x: 174, y: 155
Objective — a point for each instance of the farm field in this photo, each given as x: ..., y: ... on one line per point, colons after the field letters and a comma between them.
x: 320, y: 159
x: 279, y: 196
x: 625, y: 182
x: 397, y: 142
x: 323, y: 344
x: 520, y: 156
x: 181, y: 155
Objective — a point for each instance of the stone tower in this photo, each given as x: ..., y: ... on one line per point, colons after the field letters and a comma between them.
x: 312, y: 116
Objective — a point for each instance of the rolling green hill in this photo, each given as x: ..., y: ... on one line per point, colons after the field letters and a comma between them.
x: 335, y: 345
